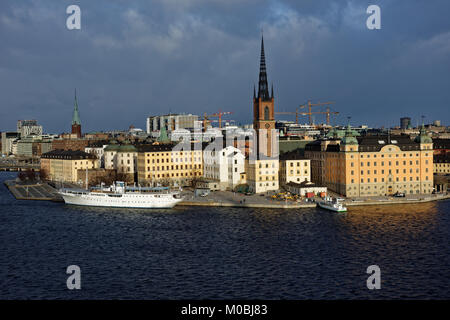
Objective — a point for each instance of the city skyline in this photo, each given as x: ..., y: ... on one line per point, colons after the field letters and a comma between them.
x: 148, y: 59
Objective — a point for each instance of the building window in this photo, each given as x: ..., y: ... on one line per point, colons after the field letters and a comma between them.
x: 266, y: 113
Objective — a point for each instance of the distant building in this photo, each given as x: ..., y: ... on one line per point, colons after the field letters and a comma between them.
x: 28, y: 128
x: 76, y: 122
x: 33, y: 146
x: 70, y: 144
x: 97, y: 149
x: 441, y: 163
x: 441, y: 146
x: 96, y: 136
x: 7, y: 140
x: 63, y: 165
x: 171, y: 122
x: 405, y: 123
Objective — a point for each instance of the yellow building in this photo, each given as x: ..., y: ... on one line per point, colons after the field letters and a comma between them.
x: 441, y: 163
x: 161, y: 164
x: 375, y: 165
x: 294, y: 168
x: 63, y: 165
x: 262, y: 175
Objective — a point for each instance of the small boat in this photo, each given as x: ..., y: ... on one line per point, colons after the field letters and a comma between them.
x: 332, y: 204
x: 120, y: 196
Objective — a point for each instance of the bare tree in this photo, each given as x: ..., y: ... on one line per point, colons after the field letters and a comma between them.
x: 30, y: 175
x: 43, y: 174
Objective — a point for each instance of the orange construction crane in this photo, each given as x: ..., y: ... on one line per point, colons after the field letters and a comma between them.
x: 310, y: 113
x: 297, y: 113
x: 218, y: 114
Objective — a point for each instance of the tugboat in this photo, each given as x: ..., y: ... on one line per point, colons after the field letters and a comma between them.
x: 332, y: 204
x: 120, y: 196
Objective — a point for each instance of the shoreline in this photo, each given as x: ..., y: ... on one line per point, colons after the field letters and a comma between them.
x: 44, y: 192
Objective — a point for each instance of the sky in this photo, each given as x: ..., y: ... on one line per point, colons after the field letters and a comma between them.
x: 133, y: 59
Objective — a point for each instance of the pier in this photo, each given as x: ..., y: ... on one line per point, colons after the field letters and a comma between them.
x: 33, y: 191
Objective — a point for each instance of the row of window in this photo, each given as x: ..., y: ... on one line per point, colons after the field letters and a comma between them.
x: 267, y: 178
x: 382, y: 193
x: 158, y: 154
x: 298, y: 164
x: 175, y: 167
x: 389, y: 163
x: 298, y: 172
x: 396, y: 155
x: 169, y: 160
x: 375, y: 180
x: 173, y: 175
x: 397, y: 171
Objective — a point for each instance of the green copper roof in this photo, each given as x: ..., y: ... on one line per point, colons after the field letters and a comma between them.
x: 76, y: 115
x: 338, y: 133
x: 423, y: 137
x: 127, y: 148
x: 163, y: 135
x: 112, y: 147
x: 349, y: 137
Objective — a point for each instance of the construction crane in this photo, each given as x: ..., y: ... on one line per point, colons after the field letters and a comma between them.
x: 218, y: 114
x: 310, y: 113
x: 298, y: 113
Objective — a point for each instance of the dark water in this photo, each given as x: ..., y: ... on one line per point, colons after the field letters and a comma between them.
x: 222, y: 253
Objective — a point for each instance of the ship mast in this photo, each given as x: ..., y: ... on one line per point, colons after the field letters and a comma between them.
x: 87, y: 179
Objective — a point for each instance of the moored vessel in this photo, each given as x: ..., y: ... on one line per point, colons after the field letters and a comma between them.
x: 120, y: 196
x: 332, y: 204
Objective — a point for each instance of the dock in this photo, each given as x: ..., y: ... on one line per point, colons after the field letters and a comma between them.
x: 33, y: 191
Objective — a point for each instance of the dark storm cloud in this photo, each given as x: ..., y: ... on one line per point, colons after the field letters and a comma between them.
x: 132, y: 59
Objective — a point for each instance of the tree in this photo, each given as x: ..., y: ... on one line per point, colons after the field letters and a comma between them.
x: 21, y: 176
x: 165, y: 182
x: 43, y: 174
x: 30, y: 175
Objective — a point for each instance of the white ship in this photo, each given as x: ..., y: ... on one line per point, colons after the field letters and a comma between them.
x: 332, y: 204
x: 120, y: 196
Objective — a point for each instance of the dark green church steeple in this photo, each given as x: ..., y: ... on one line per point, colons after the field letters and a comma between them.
x: 76, y: 115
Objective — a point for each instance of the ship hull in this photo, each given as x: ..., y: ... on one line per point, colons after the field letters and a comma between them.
x: 144, y: 201
x: 331, y: 208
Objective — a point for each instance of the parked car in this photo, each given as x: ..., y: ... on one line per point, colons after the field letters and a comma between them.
x: 399, y: 195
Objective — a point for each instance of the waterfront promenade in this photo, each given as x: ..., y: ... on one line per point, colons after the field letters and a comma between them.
x: 45, y: 192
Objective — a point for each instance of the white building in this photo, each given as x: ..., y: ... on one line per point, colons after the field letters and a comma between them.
x: 7, y: 142
x: 224, y: 165
x: 28, y: 127
x: 170, y: 122
x: 180, y: 134
x: 99, y: 151
x: 302, y: 189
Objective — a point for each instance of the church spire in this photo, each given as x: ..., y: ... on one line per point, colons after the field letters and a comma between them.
x: 76, y: 115
x: 263, y: 88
